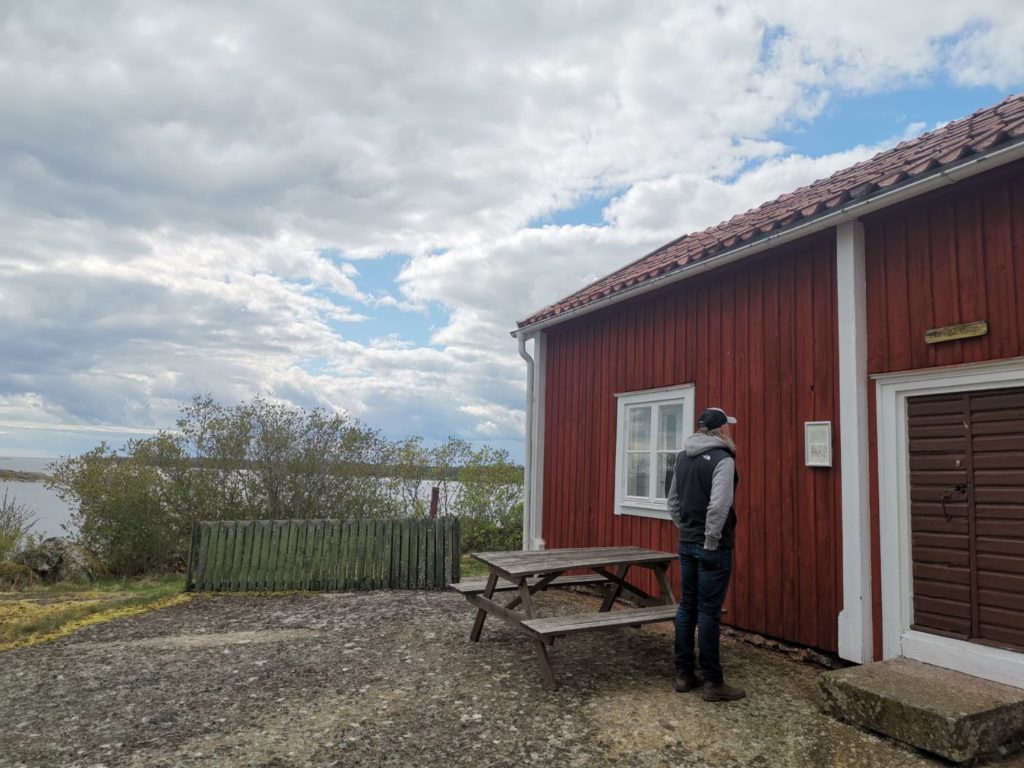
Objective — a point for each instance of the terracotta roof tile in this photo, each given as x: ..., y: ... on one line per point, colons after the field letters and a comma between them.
x: 980, y: 132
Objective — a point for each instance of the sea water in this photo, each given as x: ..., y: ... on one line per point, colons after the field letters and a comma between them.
x: 50, y: 513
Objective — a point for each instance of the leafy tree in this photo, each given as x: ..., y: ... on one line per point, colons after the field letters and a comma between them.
x: 122, y: 511
x: 490, y: 505
x: 265, y: 460
x: 447, y: 459
x: 262, y: 459
x: 411, y: 476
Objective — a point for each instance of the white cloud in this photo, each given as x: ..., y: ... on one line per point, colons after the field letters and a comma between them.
x: 186, y: 189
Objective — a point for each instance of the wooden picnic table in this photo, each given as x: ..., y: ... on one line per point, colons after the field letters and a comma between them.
x: 528, y: 572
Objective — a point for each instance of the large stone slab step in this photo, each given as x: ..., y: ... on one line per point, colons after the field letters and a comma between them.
x: 950, y: 714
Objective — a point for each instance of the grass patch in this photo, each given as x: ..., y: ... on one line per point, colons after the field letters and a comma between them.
x: 471, y: 568
x: 39, y: 613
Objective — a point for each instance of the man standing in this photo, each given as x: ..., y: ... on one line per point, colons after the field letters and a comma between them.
x: 700, y: 502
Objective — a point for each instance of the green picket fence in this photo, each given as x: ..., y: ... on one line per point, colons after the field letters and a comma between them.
x: 323, y: 555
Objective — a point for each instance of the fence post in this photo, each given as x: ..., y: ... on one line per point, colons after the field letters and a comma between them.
x: 192, y: 553
x: 457, y: 552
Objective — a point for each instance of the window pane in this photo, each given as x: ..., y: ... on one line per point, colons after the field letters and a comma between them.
x: 670, y: 427
x: 666, y: 463
x: 639, y: 429
x: 638, y: 470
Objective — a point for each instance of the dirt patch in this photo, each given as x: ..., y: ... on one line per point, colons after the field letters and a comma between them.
x: 390, y: 678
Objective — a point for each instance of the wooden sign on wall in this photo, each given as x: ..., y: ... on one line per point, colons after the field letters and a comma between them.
x: 954, y: 332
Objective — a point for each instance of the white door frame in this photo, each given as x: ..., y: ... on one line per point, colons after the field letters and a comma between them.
x: 892, y: 391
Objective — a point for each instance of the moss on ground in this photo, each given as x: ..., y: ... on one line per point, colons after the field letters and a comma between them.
x: 41, y: 613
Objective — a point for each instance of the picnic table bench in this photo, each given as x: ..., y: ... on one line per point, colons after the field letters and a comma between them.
x: 529, y: 572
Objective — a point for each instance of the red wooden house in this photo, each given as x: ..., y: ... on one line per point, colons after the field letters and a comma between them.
x: 868, y: 332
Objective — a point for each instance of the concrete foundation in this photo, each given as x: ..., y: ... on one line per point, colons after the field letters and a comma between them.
x: 950, y: 714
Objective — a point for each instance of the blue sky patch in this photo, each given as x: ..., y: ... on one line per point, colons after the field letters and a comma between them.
x: 378, y: 278
x: 403, y: 324
x: 850, y: 119
x: 768, y: 40
x: 589, y: 211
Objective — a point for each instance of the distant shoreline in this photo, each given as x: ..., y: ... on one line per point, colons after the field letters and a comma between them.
x: 17, y: 475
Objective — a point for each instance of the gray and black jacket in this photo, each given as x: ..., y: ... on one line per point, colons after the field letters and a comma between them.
x: 701, y: 493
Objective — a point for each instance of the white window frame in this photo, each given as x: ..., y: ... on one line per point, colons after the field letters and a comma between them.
x: 652, y: 507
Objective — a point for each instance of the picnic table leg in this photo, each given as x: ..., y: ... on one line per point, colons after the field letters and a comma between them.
x: 481, y: 614
x: 545, y: 664
x: 667, y: 595
x: 525, y: 598
x: 542, y: 584
x: 614, y: 589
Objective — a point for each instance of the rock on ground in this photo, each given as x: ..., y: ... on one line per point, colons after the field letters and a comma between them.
x: 60, y: 559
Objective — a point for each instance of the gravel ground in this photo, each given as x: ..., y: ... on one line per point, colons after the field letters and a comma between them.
x: 391, y: 679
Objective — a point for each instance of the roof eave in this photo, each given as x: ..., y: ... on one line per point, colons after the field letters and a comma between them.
x: 939, y: 177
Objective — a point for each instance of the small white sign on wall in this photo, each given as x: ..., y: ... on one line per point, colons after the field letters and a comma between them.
x: 818, y: 443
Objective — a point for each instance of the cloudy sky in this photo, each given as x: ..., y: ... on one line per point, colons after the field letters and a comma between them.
x: 348, y: 205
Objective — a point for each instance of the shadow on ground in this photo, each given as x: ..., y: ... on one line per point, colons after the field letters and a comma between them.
x: 390, y: 678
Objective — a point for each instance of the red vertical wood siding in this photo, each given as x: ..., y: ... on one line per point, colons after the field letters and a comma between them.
x: 952, y: 257
x: 757, y: 339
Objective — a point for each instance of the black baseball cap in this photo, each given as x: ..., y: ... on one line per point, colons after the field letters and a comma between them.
x: 713, y: 418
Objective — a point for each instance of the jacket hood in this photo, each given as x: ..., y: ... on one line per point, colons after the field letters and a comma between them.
x: 699, y: 442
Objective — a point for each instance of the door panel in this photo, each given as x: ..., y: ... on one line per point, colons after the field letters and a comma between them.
x: 967, y: 515
x: 997, y: 428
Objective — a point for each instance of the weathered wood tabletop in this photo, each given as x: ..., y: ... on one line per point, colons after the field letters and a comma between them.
x: 537, y: 570
x: 537, y: 562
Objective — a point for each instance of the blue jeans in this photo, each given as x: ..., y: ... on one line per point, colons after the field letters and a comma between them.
x: 705, y: 580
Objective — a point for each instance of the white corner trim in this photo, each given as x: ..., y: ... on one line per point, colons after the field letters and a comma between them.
x: 892, y: 391
x: 855, y: 625
x: 540, y: 347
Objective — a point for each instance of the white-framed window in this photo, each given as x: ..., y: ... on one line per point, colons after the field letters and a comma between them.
x: 652, y: 426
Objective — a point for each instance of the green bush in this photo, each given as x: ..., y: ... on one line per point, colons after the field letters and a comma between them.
x: 15, y: 576
x: 16, y: 521
x: 492, y: 535
x: 490, y: 504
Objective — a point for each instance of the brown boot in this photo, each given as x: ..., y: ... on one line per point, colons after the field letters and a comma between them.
x: 722, y: 692
x: 688, y: 682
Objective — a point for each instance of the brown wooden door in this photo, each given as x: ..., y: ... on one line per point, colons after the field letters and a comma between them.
x: 967, y: 515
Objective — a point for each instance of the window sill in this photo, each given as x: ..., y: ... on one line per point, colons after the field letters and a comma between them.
x: 643, y: 511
